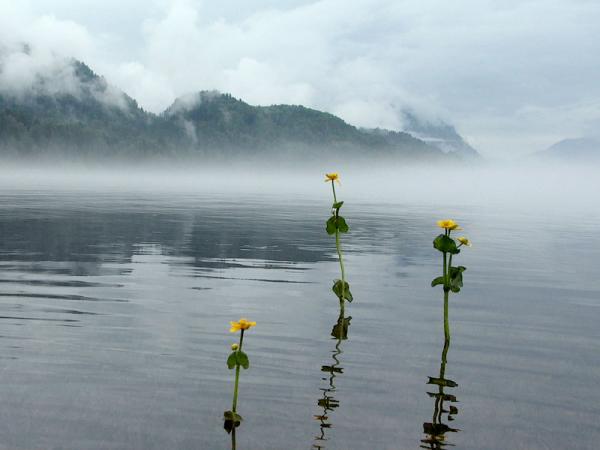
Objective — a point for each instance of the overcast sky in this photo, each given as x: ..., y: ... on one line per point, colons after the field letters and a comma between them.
x: 512, y: 76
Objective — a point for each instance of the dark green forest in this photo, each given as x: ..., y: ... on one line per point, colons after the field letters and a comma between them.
x: 97, y: 121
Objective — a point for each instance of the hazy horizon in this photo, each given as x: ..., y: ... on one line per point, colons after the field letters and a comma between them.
x: 549, y: 189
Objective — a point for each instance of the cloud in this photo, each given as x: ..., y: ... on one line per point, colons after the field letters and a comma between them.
x: 512, y: 75
x: 150, y: 88
x: 46, y: 34
x: 33, y: 47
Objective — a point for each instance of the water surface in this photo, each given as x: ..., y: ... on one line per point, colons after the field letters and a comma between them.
x: 114, y: 312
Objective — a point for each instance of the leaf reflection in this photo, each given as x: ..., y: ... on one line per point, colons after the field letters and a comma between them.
x: 230, y: 423
x: 328, y: 402
x: 435, y: 431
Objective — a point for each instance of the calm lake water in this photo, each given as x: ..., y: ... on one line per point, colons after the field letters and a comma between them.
x: 115, y: 313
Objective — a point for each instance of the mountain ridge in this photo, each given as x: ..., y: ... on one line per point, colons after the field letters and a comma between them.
x: 573, y: 149
x: 74, y: 112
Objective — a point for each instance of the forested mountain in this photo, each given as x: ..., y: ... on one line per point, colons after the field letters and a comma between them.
x: 85, y: 118
x: 73, y: 112
x: 214, y: 121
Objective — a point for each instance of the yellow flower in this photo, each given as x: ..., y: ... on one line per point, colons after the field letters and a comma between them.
x: 243, y: 324
x: 234, y: 347
x: 464, y: 241
x: 448, y: 224
x: 332, y: 177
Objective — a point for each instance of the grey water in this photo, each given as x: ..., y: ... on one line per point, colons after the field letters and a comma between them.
x: 115, y: 310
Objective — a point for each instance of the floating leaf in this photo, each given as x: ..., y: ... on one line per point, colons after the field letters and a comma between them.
x: 445, y: 244
x: 232, y: 360
x: 242, y: 359
x: 337, y: 289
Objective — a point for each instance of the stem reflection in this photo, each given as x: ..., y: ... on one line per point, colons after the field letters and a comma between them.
x: 327, y: 402
x: 444, y: 405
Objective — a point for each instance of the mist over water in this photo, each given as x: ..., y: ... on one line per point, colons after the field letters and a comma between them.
x: 526, y: 185
x: 118, y: 284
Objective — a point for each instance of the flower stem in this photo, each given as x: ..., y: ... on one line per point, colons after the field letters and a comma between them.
x: 446, y: 324
x: 237, y: 376
x: 446, y: 293
x: 333, y: 187
x: 448, y: 274
x: 445, y: 273
x: 339, y: 252
x: 338, y: 247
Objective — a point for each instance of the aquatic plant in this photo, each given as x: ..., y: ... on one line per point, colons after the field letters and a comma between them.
x: 236, y: 359
x: 451, y: 281
x: 336, y: 225
x: 452, y: 277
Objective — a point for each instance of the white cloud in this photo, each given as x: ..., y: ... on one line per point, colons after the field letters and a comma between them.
x: 513, y: 75
x: 150, y: 88
x: 34, y: 45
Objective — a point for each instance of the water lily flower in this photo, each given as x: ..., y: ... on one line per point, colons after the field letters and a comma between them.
x: 448, y: 224
x: 243, y: 324
x: 464, y: 241
x: 334, y: 176
x: 234, y: 347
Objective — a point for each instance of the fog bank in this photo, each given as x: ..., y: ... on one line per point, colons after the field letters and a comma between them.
x: 549, y: 188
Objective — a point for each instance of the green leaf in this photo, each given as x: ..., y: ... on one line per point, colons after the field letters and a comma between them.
x: 242, y: 359
x: 230, y: 415
x: 336, y: 223
x: 232, y: 360
x: 445, y: 244
x: 337, y: 205
x: 436, y: 281
x: 456, y: 277
x: 331, y: 225
x: 340, y: 329
x: 337, y: 289
x: 342, y: 225
x: 231, y: 420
